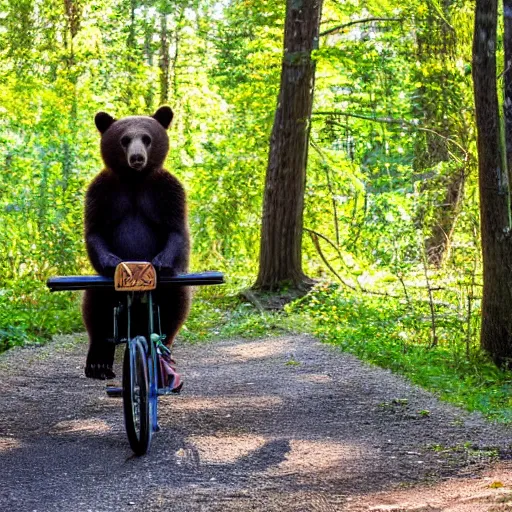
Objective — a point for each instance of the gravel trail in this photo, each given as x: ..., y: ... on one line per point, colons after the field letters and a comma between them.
x: 276, y: 424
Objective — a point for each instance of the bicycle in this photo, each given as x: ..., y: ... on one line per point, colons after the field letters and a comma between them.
x: 143, y: 379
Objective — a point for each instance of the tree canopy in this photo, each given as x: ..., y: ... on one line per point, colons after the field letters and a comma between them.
x: 390, y: 192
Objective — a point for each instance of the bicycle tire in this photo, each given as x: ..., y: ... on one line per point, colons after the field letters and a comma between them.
x: 136, y: 396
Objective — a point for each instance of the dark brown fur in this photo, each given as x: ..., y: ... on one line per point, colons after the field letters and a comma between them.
x: 133, y: 215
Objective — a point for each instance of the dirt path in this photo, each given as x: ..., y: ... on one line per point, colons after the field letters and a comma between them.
x: 282, y: 424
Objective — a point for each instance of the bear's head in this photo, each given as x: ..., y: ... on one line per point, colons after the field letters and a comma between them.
x: 134, y: 145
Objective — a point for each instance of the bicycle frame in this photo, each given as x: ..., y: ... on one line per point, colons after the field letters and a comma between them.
x: 143, y: 349
x: 154, y: 346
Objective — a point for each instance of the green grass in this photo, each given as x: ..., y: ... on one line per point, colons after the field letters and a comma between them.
x: 220, y: 313
x: 29, y: 313
x: 379, y: 330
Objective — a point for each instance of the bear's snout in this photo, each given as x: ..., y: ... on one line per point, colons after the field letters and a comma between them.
x: 137, y: 161
x: 137, y: 155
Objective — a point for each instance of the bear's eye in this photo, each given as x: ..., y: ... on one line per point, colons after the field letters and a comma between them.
x: 125, y: 141
x: 146, y: 140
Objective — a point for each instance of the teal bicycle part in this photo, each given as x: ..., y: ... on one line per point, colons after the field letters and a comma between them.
x: 142, y: 379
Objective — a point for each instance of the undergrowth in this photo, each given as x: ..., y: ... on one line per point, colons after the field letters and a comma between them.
x: 29, y: 313
x: 219, y: 313
x: 391, y: 334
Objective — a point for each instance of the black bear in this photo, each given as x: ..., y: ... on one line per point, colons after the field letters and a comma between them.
x: 134, y: 211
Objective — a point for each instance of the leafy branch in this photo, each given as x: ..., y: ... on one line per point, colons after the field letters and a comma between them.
x: 401, y: 122
x: 341, y: 28
x: 315, y: 236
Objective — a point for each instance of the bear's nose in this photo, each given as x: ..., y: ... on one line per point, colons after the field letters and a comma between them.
x: 137, y: 159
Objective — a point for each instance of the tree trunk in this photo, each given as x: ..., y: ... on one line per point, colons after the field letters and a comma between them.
x: 439, y: 243
x: 507, y: 79
x: 73, y: 16
x: 283, y: 204
x: 437, y: 43
x: 149, y: 31
x: 164, y: 60
x: 496, y: 333
x: 131, y: 42
x: 129, y: 96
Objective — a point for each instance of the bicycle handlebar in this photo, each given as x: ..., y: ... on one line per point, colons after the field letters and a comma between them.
x: 65, y: 283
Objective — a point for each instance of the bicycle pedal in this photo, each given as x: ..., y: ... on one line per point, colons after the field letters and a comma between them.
x: 114, y: 392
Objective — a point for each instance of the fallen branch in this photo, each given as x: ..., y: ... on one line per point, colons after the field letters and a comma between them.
x: 314, y: 238
x: 328, y: 240
x: 251, y: 297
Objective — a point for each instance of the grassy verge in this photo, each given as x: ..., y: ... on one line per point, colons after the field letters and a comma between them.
x: 219, y: 313
x: 397, y: 336
x: 29, y: 313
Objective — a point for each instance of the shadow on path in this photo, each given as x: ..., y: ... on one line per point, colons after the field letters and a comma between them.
x: 283, y: 424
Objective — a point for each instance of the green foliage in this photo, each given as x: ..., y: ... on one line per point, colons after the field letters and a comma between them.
x: 391, y: 163
x: 381, y: 330
x: 222, y: 314
x: 30, y: 314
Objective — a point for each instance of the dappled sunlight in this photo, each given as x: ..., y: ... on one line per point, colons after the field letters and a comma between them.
x: 259, y: 349
x: 309, y: 456
x: 95, y: 426
x: 491, y: 492
x: 227, y: 402
x: 9, y: 443
x: 225, y: 449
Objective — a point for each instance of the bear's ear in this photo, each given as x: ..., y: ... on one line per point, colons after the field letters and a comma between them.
x: 103, y: 121
x: 164, y: 116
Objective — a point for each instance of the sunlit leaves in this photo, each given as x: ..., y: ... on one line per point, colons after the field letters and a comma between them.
x: 372, y: 182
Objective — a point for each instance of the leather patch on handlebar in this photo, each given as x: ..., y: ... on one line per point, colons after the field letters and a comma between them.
x: 135, y: 276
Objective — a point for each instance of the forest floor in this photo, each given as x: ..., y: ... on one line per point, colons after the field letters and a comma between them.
x: 276, y: 424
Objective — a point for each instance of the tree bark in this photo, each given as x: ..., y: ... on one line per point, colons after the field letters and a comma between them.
x: 507, y: 79
x: 73, y: 14
x: 496, y: 332
x: 438, y: 245
x: 164, y: 60
x: 436, y: 42
x: 283, y: 204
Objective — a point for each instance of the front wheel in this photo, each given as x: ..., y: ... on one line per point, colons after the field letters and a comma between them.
x: 136, y: 395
